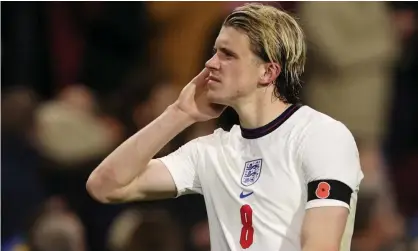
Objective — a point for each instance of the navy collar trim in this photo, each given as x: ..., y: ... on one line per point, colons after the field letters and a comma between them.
x: 270, y: 127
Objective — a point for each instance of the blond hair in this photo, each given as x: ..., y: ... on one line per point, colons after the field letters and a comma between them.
x: 276, y: 37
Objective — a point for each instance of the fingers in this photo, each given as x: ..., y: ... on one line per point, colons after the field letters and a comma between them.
x: 201, y: 77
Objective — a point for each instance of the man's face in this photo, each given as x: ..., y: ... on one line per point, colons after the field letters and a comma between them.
x: 234, y: 69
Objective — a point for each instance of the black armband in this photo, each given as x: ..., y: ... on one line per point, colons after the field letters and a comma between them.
x: 329, y: 189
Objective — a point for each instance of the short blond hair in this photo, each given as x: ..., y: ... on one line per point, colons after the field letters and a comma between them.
x: 275, y: 36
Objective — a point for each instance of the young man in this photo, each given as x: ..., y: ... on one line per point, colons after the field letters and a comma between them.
x: 285, y: 179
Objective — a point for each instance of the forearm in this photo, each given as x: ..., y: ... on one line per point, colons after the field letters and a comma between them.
x: 127, y: 161
x: 320, y: 248
x: 321, y: 239
x: 323, y: 228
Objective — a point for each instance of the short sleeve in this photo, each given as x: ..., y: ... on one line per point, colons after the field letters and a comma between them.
x: 182, y: 165
x: 331, y: 166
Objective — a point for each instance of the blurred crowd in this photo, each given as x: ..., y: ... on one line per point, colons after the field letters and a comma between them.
x: 78, y: 78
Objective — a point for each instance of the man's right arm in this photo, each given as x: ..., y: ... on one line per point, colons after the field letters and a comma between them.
x: 129, y: 172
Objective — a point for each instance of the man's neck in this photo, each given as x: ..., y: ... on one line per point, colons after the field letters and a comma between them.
x: 259, y: 110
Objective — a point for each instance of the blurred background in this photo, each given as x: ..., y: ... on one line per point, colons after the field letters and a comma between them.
x: 80, y: 77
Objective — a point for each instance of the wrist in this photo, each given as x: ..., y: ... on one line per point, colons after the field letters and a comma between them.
x: 179, y: 116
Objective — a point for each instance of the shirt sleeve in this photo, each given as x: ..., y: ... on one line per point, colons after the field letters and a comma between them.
x: 183, y: 166
x: 331, y: 166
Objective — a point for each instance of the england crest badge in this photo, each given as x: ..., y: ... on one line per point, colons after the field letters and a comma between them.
x: 252, y: 171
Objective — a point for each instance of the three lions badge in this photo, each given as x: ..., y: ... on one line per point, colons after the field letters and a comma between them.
x: 252, y: 171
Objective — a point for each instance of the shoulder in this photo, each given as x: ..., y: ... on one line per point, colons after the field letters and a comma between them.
x: 316, y: 124
x: 329, y: 151
x: 316, y: 130
x: 219, y: 136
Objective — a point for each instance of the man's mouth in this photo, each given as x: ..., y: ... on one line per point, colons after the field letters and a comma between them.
x: 214, y: 79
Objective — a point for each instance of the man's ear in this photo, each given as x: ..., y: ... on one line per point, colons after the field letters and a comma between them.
x: 271, y: 72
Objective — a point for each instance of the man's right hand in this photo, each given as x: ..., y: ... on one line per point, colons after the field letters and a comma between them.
x: 194, y: 102
x: 129, y: 173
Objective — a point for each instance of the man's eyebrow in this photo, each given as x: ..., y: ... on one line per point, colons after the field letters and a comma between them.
x: 226, y: 51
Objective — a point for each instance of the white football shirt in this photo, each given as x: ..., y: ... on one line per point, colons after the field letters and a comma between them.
x: 257, y: 183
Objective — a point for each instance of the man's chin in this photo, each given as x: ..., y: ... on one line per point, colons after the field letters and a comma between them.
x: 215, y: 98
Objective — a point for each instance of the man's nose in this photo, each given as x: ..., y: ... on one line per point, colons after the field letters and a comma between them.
x: 213, y: 62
